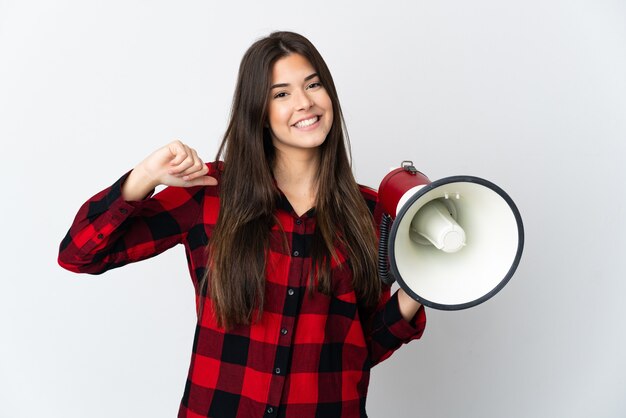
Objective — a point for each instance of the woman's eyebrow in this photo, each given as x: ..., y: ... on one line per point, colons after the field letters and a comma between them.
x: 279, y: 85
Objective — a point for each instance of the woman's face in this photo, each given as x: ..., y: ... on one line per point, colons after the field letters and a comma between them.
x: 300, y: 113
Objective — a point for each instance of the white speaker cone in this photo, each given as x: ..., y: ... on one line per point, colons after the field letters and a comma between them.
x: 493, y: 238
x: 435, y: 223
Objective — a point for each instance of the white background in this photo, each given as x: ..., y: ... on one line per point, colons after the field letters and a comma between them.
x: 529, y: 94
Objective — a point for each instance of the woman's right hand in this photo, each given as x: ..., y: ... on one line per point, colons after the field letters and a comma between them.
x: 175, y: 164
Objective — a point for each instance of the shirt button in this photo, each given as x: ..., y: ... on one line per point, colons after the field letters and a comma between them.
x: 284, y: 331
x: 296, y: 253
x: 290, y: 292
x: 269, y: 410
x: 298, y: 221
x: 100, y: 236
x: 123, y: 211
x: 277, y: 370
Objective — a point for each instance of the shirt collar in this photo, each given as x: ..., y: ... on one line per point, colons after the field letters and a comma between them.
x: 284, y: 204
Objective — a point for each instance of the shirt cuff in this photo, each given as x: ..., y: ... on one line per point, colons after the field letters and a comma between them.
x: 105, y: 212
x: 116, y: 190
x: 402, y: 329
x: 114, y: 203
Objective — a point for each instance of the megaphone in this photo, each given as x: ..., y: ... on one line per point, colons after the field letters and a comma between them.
x: 450, y: 244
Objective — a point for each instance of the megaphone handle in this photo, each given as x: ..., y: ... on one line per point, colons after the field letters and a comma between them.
x: 383, y: 251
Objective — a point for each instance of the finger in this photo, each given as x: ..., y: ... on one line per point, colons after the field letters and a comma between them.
x: 197, y: 169
x: 201, y: 181
x: 202, y: 171
x: 185, y: 163
x: 179, y: 151
x: 190, y: 165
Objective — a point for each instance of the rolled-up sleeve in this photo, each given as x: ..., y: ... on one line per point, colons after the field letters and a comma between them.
x: 389, y: 330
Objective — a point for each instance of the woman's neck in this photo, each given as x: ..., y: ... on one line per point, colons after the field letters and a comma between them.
x: 296, y: 176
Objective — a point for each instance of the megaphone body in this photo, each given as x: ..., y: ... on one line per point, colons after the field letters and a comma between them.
x: 452, y: 243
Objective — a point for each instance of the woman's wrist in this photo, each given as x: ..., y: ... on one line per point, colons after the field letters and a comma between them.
x: 138, y: 184
x: 408, y: 306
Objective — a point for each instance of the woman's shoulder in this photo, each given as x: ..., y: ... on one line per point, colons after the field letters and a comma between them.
x: 368, y: 192
x: 216, y: 168
x: 370, y: 196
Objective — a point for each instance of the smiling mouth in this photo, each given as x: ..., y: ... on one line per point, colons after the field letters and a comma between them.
x: 307, y: 122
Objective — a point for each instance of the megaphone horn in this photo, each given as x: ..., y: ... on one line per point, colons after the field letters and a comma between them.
x: 450, y: 244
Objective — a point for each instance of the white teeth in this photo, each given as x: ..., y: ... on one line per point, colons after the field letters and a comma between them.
x: 306, y: 122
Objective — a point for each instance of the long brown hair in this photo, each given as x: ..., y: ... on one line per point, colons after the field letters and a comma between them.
x: 235, y: 274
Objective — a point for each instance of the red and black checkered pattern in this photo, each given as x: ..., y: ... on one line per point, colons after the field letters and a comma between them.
x: 309, y: 356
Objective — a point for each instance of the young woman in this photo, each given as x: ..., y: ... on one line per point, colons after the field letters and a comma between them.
x: 280, y: 242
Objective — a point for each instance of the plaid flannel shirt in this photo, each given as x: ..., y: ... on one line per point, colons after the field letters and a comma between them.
x: 308, y: 356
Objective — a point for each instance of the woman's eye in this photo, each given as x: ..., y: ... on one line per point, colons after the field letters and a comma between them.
x: 280, y: 95
x: 314, y: 85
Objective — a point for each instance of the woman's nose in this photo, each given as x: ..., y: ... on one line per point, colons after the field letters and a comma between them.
x: 303, y: 101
